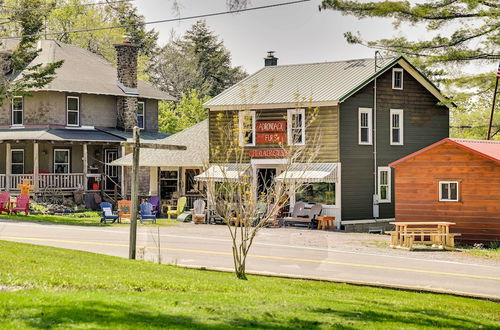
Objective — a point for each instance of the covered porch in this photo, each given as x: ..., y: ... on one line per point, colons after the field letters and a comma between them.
x: 60, y: 159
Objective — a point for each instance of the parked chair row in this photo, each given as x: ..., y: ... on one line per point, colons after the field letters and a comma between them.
x: 146, y: 212
x: 22, y: 203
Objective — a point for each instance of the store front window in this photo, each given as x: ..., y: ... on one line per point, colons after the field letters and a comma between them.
x: 314, y: 193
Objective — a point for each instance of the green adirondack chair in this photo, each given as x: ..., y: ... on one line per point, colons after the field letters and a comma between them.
x: 177, y: 210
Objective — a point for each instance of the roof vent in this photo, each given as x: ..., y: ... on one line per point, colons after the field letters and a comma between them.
x: 270, y: 60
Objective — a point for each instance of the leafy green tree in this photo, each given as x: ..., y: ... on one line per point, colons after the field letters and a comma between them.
x: 460, y: 32
x: 174, y: 117
x: 198, y: 60
x: 19, y: 73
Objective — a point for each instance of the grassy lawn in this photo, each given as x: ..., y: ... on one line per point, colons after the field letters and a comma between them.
x: 72, y: 289
x: 80, y: 219
x: 490, y: 253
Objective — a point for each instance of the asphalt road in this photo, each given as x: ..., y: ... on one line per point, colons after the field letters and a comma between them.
x: 275, y: 252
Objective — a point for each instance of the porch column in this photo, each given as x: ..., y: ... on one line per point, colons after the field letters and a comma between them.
x: 153, y: 181
x: 8, y: 166
x: 36, y: 166
x: 85, y: 167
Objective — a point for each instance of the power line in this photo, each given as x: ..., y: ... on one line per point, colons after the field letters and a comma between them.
x: 66, y: 6
x: 158, y: 21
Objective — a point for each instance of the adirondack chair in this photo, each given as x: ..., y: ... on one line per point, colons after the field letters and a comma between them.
x: 5, y: 202
x: 22, y: 204
x: 146, y: 213
x: 177, y: 210
x: 107, y: 212
x: 199, y: 212
x: 124, y: 208
x: 155, y: 201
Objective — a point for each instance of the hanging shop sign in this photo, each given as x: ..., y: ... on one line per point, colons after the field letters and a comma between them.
x: 266, y: 126
x: 267, y: 153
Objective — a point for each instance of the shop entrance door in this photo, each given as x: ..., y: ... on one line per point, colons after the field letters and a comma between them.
x: 265, y: 179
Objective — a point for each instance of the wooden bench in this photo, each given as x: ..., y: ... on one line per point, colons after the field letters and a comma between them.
x: 435, y: 234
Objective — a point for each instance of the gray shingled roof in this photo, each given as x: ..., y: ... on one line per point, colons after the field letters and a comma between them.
x: 195, y: 138
x: 146, y: 137
x: 319, y: 82
x: 57, y: 135
x: 83, y: 71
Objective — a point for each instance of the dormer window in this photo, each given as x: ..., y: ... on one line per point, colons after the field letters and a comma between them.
x: 73, y: 111
x: 17, y: 111
x: 397, y: 78
x: 141, y: 110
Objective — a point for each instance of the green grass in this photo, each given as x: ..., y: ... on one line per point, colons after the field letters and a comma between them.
x: 73, y: 289
x: 80, y: 219
x: 490, y: 253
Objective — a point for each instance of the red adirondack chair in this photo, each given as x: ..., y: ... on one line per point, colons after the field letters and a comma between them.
x: 5, y: 202
x: 22, y: 204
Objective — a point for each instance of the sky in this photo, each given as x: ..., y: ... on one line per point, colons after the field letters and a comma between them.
x: 298, y: 33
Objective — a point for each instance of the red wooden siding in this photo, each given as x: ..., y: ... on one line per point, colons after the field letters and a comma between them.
x: 476, y: 214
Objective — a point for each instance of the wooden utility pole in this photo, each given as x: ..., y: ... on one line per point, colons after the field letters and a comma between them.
x: 493, y: 105
x: 136, y: 147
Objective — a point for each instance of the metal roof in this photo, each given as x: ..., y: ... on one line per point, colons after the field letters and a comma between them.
x: 146, y: 136
x: 316, y: 82
x: 195, y: 138
x: 318, y: 172
x: 57, y: 135
x: 486, y: 148
x: 82, y: 71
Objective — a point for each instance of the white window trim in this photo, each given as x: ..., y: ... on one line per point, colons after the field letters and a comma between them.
x: 291, y: 112
x: 12, y: 111
x: 401, y: 127
x: 381, y: 169
x: 441, y: 192
x: 54, y: 160
x: 77, y: 111
x: 370, y: 125
x: 12, y: 163
x: 402, y: 74
x: 241, y: 117
x: 143, y: 114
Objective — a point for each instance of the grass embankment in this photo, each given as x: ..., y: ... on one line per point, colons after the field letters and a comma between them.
x: 80, y: 219
x: 73, y: 289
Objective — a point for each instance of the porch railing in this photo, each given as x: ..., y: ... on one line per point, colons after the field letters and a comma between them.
x: 63, y: 181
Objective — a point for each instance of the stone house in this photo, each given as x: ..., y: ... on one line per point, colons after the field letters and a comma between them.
x: 63, y: 136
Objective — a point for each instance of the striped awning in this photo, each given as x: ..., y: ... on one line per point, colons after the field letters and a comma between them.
x: 318, y: 172
x: 223, y: 172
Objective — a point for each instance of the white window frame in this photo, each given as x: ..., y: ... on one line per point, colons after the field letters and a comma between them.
x: 401, y: 127
x: 143, y: 114
x: 370, y: 125
x: 54, y: 160
x: 441, y: 199
x: 381, y: 169
x: 301, y: 112
x: 12, y: 158
x: 77, y: 111
x: 241, y: 118
x: 393, y: 76
x: 22, y: 111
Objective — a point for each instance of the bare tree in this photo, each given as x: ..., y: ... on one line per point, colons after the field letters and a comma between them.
x: 234, y: 192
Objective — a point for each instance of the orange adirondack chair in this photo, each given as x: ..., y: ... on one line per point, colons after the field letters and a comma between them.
x: 124, y: 209
x: 5, y: 202
x: 22, y: 204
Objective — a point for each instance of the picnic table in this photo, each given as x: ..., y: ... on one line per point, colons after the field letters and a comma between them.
x: 434, y: 233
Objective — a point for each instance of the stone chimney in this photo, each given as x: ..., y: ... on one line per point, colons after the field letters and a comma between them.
x: 270, y: 60
x: 126, y: 53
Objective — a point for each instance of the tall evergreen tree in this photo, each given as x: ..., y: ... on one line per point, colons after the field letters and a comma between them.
x: 198, y: 61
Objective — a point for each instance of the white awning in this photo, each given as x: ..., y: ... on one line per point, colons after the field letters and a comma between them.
x: 319, y: 172
x: 223, y: 172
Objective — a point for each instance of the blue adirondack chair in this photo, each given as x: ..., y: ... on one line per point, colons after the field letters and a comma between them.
x: 146, y: 213
x: 107, y: 212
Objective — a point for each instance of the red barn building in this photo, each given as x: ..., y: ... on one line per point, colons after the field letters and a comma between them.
x: 452, y: 180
